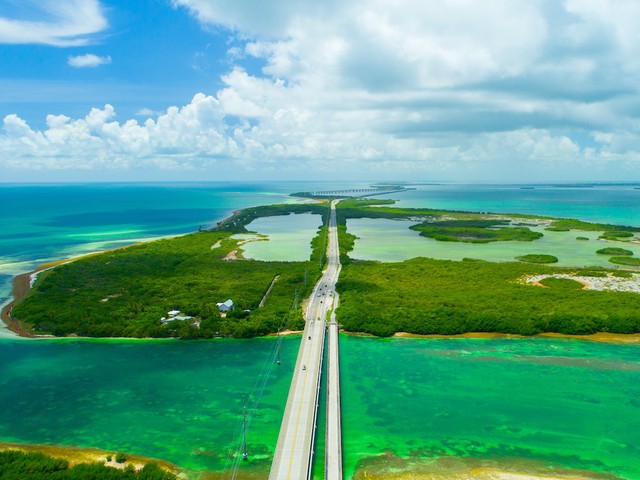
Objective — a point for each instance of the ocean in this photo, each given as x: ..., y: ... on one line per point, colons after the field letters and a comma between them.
x: 558, y: 402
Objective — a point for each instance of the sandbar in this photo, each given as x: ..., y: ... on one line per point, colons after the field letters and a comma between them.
x: 390, y: 467
x: 602, y: 337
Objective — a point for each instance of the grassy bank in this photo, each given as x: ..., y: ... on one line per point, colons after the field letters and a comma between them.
x: 34, y: 462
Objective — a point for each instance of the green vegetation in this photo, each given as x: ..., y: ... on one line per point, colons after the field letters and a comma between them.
x: 17, y: 465
x: 427, y: 296
x: 573, y: 224
x: 592, y: 272
x: 538, y: 258
x: 562, y: 283
x: 617, y: 235
x: 126, y: 292
x: 558, y: 229
x: 582, y: 238
x: 474, y: 231
x: 629, y: 261
x: 614, y: 251
x: 622, y: 274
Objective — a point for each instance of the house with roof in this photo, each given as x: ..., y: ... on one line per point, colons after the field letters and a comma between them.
x: 225, y: 306
x: 174, y: 315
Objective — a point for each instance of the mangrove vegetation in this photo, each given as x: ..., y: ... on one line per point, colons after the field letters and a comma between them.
x: 172, y: 287
x: 129, y: 292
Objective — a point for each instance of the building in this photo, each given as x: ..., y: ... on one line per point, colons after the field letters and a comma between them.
x: 225, y: 306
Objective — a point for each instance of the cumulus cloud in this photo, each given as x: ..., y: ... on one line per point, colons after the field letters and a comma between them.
x: 449, y: 87
x: 64, y: 23
x: 88, y: 60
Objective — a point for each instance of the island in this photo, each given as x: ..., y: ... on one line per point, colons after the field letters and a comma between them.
x: 200, y: 286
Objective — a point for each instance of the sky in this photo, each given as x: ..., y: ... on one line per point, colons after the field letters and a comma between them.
x: 493, y: 91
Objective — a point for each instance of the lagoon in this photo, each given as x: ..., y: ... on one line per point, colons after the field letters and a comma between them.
x: 284, y: 238
x: 388, y: 240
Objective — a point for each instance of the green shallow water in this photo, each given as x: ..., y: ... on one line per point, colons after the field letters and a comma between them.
x: 378, y: 239
x: 288, y: 237
x: 567, y: 403
x: 177, y: 401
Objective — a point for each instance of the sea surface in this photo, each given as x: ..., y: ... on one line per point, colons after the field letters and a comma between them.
x: 561, y: 402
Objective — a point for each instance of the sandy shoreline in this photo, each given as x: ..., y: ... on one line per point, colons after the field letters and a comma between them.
x: 77, y: 455
x: 22, y: 284
x: 602, y: 337
x: 390, y: 467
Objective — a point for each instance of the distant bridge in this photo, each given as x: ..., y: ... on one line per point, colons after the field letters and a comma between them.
x: 356, y: 192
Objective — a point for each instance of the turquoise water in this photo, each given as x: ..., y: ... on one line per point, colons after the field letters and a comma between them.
x: 177, y: 401
x: 42, y: 223
x: 378, y: 239
x: 282, y: 238
x: 616, y: 204
x: 570, y: 403
x: 566, y: 403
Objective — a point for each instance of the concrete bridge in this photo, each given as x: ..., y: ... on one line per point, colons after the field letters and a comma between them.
x: 357, y: 192
x: 293, y: 457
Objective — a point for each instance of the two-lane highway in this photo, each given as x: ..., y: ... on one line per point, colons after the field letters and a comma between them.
x: 294, y: 452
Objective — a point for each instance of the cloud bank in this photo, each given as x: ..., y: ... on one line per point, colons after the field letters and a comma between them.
x: 451, y: 88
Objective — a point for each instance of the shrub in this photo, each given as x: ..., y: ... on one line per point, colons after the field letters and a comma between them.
x: 632, y: 262
x: 537, y: 258
x: 617, y: 233
x: 121, y: 457
x: 614, y: 251
x: 562, y: 283
x: 593, y: 272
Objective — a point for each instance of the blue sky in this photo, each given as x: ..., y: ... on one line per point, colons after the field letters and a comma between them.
x: 450, y: 90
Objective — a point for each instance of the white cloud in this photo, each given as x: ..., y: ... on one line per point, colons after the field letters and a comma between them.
x: 147, y: 112
x: 65, y: 23
x: 487, y: 90
x: 88, y: 60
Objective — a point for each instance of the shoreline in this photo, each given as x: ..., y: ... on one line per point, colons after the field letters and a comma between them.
x: 389, y: 466
x: 22, y: 285
x: 77, y: 455
x: 600, y: 337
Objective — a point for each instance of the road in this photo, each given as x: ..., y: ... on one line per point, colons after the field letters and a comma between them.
x: 294, y: 452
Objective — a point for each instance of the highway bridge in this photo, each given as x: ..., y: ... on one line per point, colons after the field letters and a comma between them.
x: 356, y: 192
x: 293, y: 457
